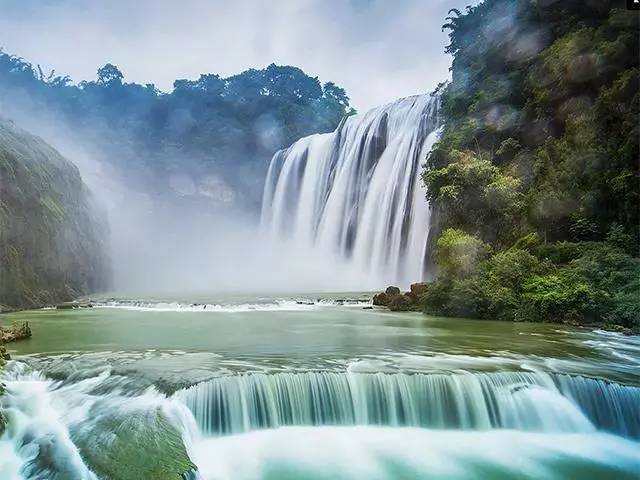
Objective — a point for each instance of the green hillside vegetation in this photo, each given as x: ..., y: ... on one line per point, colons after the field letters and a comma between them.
x: 534, y: 182
x: 51, y: 246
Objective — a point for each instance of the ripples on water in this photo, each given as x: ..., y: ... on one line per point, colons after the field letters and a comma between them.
x: 474, y: 400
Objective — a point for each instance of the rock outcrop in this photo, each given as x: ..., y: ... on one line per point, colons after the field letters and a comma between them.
x: 18, y: 331
x: 395, y: 300
x: 51, y: 235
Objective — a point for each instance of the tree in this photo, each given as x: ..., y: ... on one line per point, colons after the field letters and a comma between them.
x: 109, y: 75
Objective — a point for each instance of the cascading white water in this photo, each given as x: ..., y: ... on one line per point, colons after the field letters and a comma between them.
x: 356, y: 193
x: 82, y: 430
x: 58, y: 431
x: 472, y: 401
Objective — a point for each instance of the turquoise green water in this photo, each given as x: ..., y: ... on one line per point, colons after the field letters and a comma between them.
x: 314, y: 387
x: 283, y: 333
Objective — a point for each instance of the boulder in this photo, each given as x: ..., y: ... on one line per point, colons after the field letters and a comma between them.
x: 381, y: 299
x: 392, y: 291
x: 16, y: 332
x: 419, y: 289
x: 401, y: 303
x: 414, y: 298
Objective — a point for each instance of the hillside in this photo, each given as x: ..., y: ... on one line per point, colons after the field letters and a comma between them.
x: 51, y: 245
x: 534, y: 181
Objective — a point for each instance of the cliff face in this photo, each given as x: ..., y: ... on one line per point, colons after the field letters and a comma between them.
x: 51, y: 242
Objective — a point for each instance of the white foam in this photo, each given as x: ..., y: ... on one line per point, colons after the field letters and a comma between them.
x: 384, y: 453
x: 275, y: 306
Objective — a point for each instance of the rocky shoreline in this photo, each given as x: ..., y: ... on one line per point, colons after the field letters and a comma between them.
x: 17, y: 331
x: 396, y: 301
x: 413, y: 301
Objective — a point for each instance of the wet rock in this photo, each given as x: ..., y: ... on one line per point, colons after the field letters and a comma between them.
x: 381, y: 299
x: 367, y: 308
x: 414, y: 298
x: 392, y: 291
x: 15, y: 332
x: 401, y: 303
x: 419, y: 289
x: 619, y: 329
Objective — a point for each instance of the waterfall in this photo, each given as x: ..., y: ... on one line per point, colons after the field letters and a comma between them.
x: 100, y: 427
x: 478, y: 401
x: 356, y: 193
x: 71, y: 431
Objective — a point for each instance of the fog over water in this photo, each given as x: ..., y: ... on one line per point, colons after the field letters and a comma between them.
x: 180, y: 229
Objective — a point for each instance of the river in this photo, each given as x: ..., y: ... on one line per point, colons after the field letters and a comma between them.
x: 313, y: 387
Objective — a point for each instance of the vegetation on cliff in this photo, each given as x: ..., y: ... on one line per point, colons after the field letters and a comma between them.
x: 51, y: 242
x: 212, y: 126
x: 534, y: 181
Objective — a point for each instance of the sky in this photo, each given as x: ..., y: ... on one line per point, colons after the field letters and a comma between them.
x: 378, y: 50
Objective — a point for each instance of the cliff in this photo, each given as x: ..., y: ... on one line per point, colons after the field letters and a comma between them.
x: 535, y: 178
x: 51, y: 244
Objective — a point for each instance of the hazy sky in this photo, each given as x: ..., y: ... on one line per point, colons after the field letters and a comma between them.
x: 378, y: 50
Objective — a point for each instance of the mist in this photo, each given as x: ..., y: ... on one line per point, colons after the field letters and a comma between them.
x: 189, y: 236
x: 183, y: 211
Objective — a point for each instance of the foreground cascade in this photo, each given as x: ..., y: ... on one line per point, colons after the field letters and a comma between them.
x: 355, y: 193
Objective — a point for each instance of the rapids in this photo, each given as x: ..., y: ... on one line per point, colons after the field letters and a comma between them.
x: 321, y: 425
x: 322, y: 386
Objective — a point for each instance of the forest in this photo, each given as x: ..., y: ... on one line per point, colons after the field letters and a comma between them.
x: 534, y: 182
x: 227, y: 127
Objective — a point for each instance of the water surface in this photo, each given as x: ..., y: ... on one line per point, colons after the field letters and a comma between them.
x: 314, y: 386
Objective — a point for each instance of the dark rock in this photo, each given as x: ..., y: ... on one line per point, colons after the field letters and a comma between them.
x: 16, y: 332
x: 419, y: 289
x: 65, y: 306
x: 401, y: 303
x: 381, y: 299
x: 619, y: 329
x: 392, y: 291
x: 4, y: 355
x: 70, y: 305
x: 414, y: 298
x: 369, y: 307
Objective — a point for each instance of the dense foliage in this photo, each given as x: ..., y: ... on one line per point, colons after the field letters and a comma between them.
x: 51, y: 237
x: 535, y: 178
x: 227, y: 128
